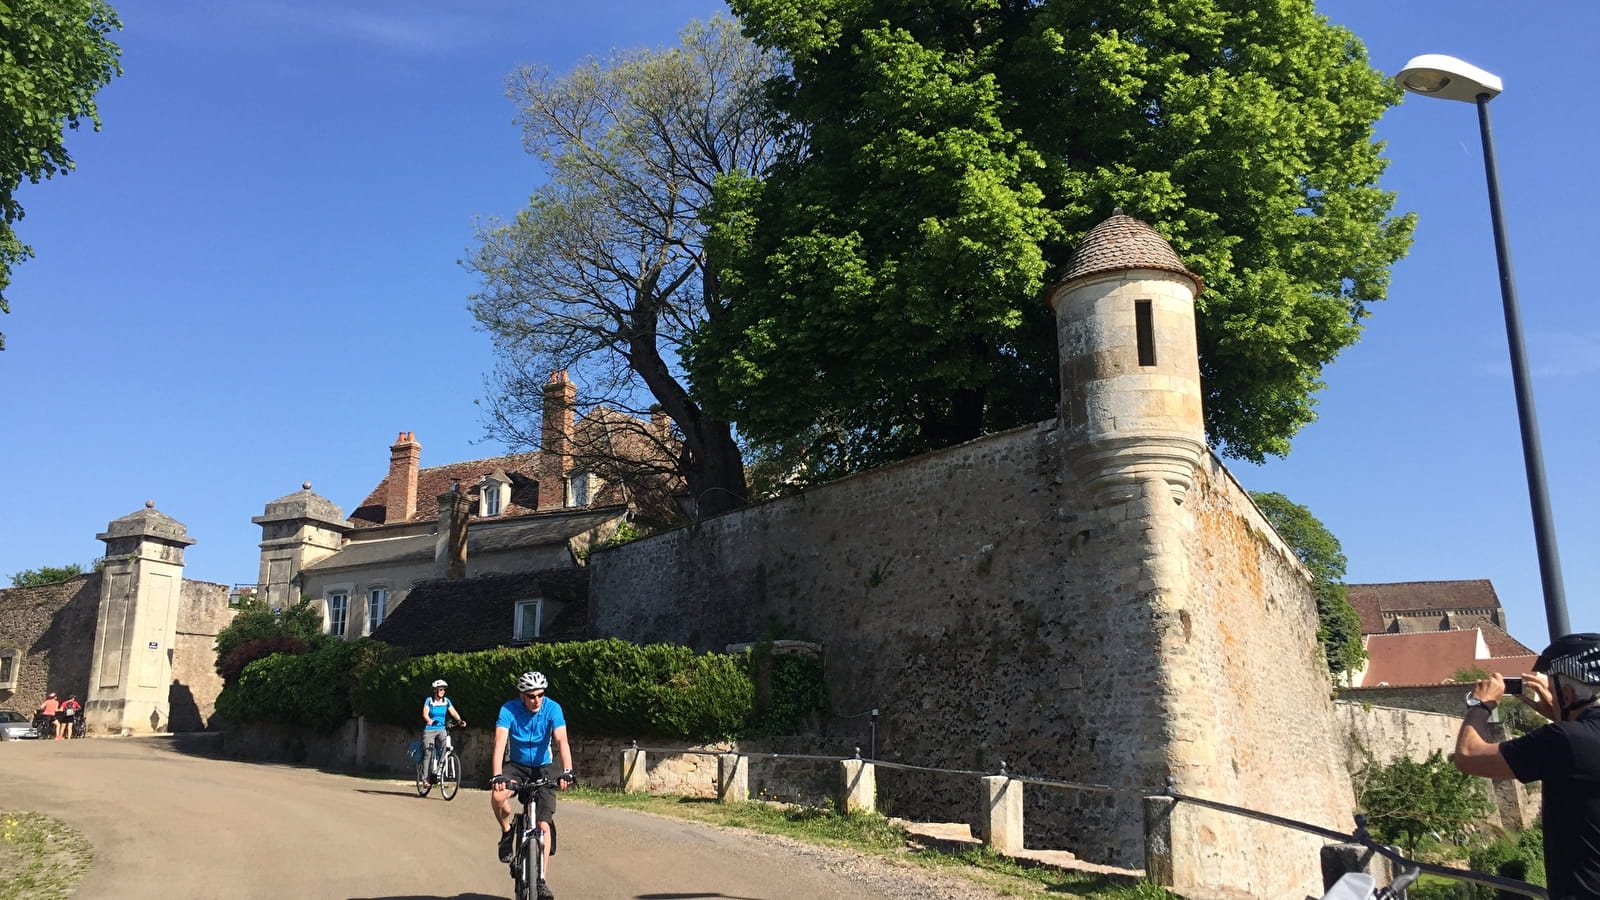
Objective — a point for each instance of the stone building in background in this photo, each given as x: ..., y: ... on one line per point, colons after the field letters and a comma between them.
x: 541, y: 510
x: 134, y: 641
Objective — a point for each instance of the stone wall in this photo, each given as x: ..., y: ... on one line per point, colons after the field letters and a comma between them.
x: 52, y: 628
x: 203, y: 611
x: 978, y: 600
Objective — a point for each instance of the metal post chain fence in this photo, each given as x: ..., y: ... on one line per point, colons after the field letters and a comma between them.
x: 1359, y: 836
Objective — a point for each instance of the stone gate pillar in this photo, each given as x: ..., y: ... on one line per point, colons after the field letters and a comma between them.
x: 130, y: 674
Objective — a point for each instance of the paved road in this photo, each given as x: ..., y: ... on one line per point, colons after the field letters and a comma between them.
x: 170, y: 826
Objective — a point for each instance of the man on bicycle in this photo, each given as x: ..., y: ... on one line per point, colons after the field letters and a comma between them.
x: 527, y: 726
x: 1565, y: 755
x: 437, y: 711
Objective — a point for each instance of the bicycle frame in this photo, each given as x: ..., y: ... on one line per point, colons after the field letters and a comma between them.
x: 527, y: 860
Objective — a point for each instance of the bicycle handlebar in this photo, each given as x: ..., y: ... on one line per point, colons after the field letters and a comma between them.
x: 520, y: 787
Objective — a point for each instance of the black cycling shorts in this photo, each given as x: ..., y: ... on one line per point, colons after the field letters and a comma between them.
x: 545, y: 799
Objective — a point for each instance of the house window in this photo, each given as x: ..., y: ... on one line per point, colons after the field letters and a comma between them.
x: 527, y: 623
x: 8, y: 669
x: 377, y: 607
x: 582, y: 488
x: 338, y: 610
x: 491, y: 498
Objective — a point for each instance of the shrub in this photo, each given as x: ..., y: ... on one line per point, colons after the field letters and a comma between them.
x: 256, y: 621
x: 1406, y: 800
x: 1518, y: 855
x: 312, y: 689
x: 231, y: 666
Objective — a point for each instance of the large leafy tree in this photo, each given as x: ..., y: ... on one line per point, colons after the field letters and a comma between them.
x: 605, y: 272
x: 1339, y: 625
x: 55, y: 55
x: 883, y: 284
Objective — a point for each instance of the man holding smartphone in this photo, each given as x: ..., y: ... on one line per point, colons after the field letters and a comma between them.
x: 1564, y: 755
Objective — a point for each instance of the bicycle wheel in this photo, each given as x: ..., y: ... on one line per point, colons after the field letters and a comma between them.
x: 422, y: 778
x: 532, y: 865
x: 450, y: 776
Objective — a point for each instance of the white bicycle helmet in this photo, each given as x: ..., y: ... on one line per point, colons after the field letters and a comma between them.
x: 440, y: 683
x: 532, y: 681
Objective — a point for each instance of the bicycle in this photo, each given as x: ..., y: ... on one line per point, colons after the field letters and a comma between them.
x: 527, y: 848
x: 449, y: 767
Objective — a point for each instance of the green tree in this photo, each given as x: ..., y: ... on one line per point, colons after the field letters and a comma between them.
x: 258, y: 625
x: 882, y: 284
x: 605, y: 270
x: 1406, y: 800
x: 54, y: 57
x: 46, y: 575
x: 1338, y: 623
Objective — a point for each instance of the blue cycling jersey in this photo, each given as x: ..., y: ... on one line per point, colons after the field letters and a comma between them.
x: 529, y: 733
x: 438, y: 713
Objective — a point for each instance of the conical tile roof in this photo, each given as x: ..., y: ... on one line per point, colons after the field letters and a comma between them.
x: 1121, y: 243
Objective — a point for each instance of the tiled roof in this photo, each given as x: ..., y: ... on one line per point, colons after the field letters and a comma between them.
x: 1423, y: 596
x: 483, y: 536
x: 1420, y: 657
x: 1121, y: 243
x: 1502, y: 644
x: 467, y: 614
x: 435, y: 480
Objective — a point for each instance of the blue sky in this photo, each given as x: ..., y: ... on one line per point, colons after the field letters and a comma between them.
x: 251, y: 282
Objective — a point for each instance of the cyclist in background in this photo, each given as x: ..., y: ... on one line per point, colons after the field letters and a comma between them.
x: 437, y: 711
x: 523, y: 734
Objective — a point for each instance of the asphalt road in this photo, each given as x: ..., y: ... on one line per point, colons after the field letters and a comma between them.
x: 166, y: 826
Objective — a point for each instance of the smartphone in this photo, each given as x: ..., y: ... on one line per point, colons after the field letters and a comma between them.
x: 1513, y: 685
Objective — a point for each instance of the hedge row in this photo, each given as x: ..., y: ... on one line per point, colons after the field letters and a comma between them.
x: 607, y: 688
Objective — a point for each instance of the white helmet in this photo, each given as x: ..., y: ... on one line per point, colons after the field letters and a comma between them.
x: 440, y: 683
x: 532, y: 681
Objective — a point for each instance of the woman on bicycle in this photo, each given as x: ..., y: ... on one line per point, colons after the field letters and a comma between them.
x: 527, y: 726
x: 437, y: 711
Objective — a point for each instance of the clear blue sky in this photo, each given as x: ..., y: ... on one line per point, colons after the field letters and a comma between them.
x: 251, y: 282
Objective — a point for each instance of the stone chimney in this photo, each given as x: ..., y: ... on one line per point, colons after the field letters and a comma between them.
x: 450, y: 547
x: 660, y: 421
x: 556, y: 438
x: 400, y: 504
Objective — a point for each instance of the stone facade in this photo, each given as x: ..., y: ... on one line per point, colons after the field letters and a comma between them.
x: 135, y: 642
x: 47, y: 631
x: 1092, y: 600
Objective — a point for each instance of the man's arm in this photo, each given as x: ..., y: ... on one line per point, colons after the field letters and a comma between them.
x: 427, y: 719
x: 496, y: 762
x: 1475, y: 753
x: 564, y: 751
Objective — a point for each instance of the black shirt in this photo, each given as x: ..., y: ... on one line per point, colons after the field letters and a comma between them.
x: 1565, y: 756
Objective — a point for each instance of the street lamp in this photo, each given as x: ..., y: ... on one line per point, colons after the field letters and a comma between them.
x: 1436, y: 75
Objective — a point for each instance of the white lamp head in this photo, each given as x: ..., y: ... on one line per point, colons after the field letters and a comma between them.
x: 1437, y: 75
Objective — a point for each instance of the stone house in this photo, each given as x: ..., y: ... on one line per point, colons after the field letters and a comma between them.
x: 1422, y: 633
x: 134, y: 641
x: 518, y: 513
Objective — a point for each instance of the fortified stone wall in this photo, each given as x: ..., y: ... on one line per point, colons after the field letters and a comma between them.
x: 977, y: 600
x: 1249, y: 657
x: 51, y: 628
x: 203, y: 611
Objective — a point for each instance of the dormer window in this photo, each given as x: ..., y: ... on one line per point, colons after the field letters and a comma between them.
x: 582, y: 487
x: 494, y: 494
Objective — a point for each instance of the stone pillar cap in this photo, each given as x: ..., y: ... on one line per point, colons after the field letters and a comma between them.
x: 303, y: 504
x: 148, y: 522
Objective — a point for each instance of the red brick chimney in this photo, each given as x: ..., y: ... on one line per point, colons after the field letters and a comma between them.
x: 560, y: 405
x: 400, y: 503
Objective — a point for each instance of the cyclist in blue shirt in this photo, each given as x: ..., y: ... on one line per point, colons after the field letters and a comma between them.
x: 523, y: 734
x: 437, y: 711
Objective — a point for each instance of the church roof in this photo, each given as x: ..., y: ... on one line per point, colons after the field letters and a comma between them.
x: 1121, y: 243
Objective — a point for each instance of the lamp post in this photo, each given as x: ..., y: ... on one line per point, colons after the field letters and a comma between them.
x: 1435, y: 75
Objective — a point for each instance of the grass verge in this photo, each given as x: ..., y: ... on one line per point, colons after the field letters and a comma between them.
x: 40, y: 857
x: 872, y: 834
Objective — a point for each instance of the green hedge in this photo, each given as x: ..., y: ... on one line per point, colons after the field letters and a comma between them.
x: 607, y: 688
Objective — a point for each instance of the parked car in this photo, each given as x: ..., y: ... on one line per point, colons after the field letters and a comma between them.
x: 15, y: 726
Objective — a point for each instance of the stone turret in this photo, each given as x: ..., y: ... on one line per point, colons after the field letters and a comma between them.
x: 1130, y: 371
x: 296, y: 531
x: 131, y: 671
